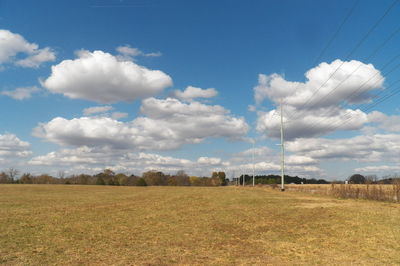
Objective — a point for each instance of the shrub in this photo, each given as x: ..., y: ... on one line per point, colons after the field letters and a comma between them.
x: 357, y: 179
x: 155, y: 178
x: 141, y: 182
x: 100, y: 181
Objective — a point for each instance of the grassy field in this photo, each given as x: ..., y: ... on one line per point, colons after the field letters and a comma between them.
x: 104, y: 225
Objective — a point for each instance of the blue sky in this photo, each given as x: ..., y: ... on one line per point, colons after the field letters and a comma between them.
x: 169, y: 85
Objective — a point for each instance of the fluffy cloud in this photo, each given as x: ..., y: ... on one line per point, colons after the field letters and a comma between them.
x: 12, y: 146
x: 311, y: 123
x: 178, y: 122
x: 93, y: 159
x: 345, y: 78
x: 371, y: 148
x: 273, y: 167
x: 71, y: 157
x: 315, y: 106
x: 267, y: 161
x: 101, y: 77
x: 386, y: 122
x: 191, y: 93
x: 166, y: 124
x: 37, y: 58
x: 379, y: 169
x: 89, y: 131
x: 12, y: 45
x: 21, y: 93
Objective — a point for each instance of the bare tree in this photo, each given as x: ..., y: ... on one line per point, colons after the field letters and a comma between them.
x: 12, y: 172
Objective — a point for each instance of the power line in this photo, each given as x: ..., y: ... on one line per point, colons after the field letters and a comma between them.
x: 360, y: 65
x: 336, y: 32
x: 369, y: 107
x: 348, y: 15
x: 357, y: 91
x: 350, y: 54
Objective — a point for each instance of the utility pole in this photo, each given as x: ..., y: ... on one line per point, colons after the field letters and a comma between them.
x: 253, y: 160
x: 282, y: 154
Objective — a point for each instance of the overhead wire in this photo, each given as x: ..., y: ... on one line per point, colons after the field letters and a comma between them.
x: 348, y: 116
x: 382, y: 99
x: 377, y: 49
x: 348, y: 15
x: 336, y: 32
x: 376, y: 24
x: 358, y: 91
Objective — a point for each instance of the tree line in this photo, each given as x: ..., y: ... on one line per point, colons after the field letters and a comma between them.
x: 108, y: 177
x: 373, y: 179
x: 353, y: 179
x: 158, y: 178
x: 276, y: 179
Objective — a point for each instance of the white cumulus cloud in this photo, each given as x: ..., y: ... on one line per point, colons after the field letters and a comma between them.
x: 316, y: 107
x: 268, y: 161
x: 13, y: 45
x: 88, y: 131
x: 311, y: 124
x: 93, y: 159
x: 368, y: 148
x: 379, y: 169
x: 101, y: 77
x: 166, y: 124
x: 390, y: 123
x: 12, y: 146
x: 191, y: 93
x: 36, y: 59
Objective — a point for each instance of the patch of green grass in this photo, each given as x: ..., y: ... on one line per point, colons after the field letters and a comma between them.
x: 103, y: 225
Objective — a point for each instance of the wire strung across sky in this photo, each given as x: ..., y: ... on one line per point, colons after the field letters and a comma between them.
x: 358, y: 91
x: 290, y: 117
x: 348, y: 15
x: 368, y: 108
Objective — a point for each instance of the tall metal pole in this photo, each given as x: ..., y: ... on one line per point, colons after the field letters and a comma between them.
x: 282, y: 154
x: 253, y: 161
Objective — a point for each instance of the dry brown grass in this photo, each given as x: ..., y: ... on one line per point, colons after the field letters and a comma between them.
x: 380, y: 192
x: 104, y: 225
